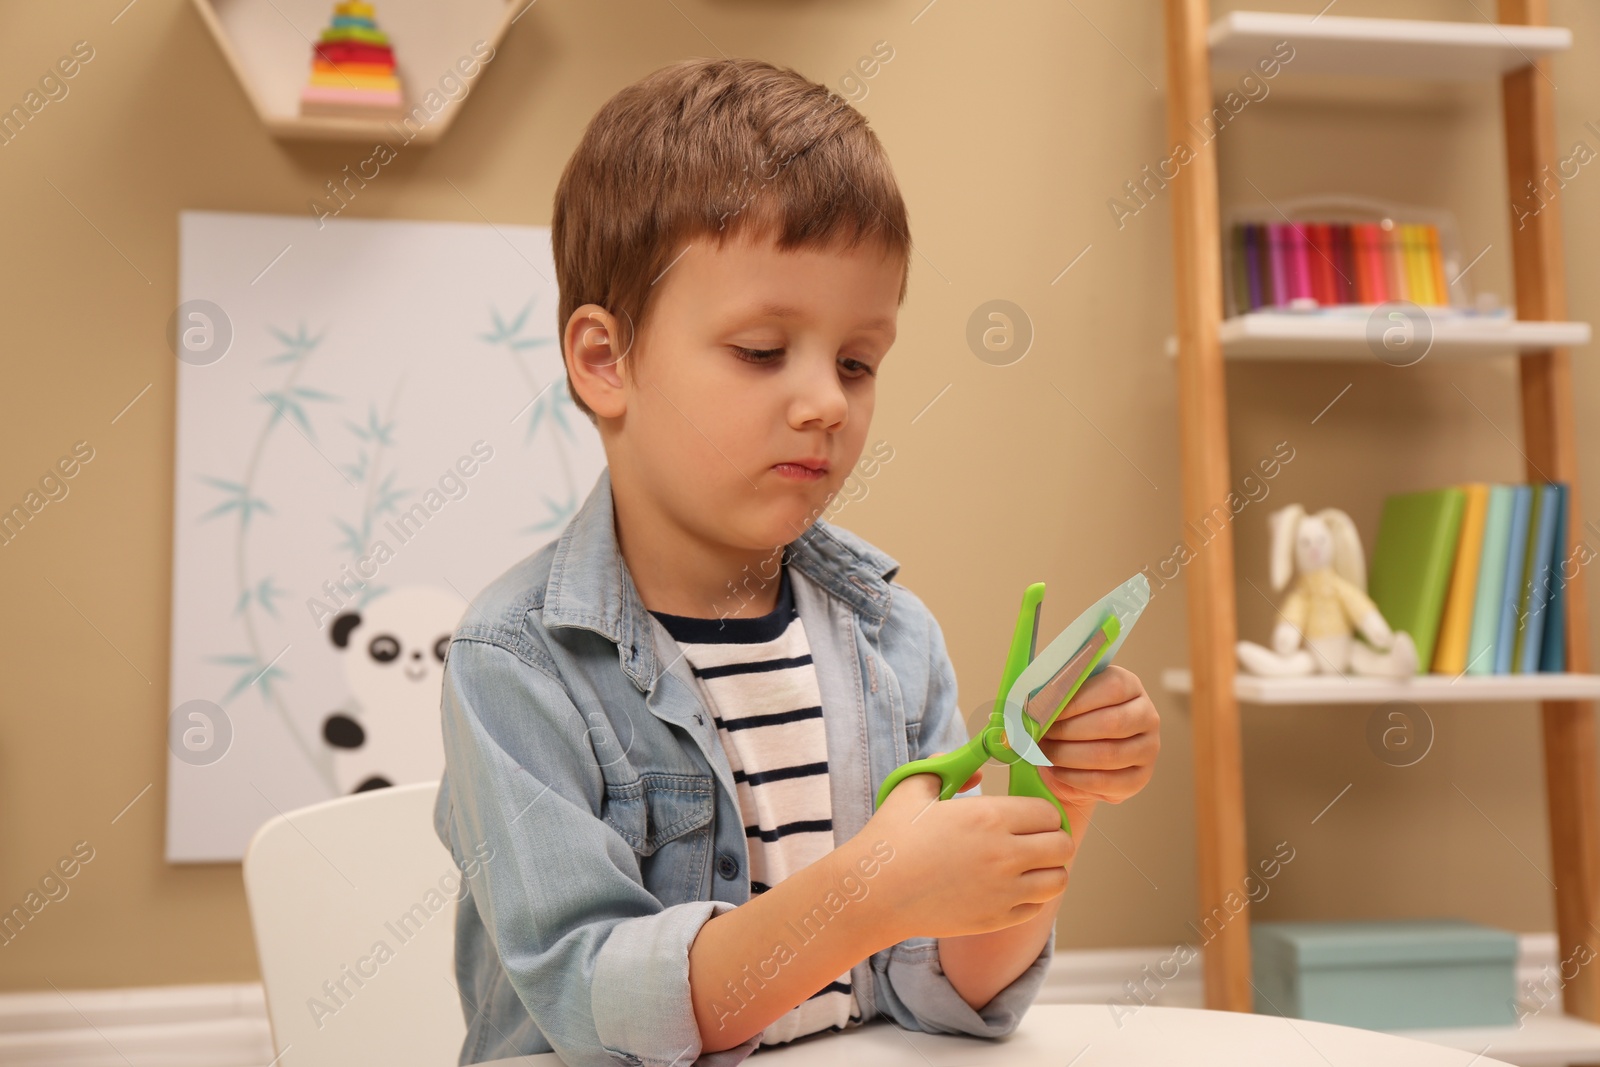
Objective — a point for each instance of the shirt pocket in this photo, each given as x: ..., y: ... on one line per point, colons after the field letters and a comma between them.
x: 658, y: 807
x: 913, y: 736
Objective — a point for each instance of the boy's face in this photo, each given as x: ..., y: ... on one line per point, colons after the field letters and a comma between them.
x: 753, y: 365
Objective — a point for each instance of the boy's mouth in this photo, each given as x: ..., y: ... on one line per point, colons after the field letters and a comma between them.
x: 808, y: 470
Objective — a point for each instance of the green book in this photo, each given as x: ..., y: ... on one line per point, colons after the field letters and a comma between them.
x: 1411, y: 564
x: 1491, y: 581
x: 1240, y: 271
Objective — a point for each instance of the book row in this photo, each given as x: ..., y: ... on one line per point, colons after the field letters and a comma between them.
x: 1477, y: 574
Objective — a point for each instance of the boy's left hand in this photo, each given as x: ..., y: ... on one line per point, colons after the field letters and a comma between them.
x: 1104, y: 744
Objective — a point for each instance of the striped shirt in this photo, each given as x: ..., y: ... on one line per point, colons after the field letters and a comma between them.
x: 756, y: 678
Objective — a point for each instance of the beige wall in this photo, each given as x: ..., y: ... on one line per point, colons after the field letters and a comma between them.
x: 1010, y: 125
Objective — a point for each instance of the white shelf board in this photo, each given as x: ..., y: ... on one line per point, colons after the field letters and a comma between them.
x: 438, y: 58
x: 1548, y: 1039
x: 1436, y: 688
x: 1383, y: 48
x: 1289, y: 336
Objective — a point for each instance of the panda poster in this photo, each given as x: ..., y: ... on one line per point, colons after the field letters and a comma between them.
x: 373, y: 423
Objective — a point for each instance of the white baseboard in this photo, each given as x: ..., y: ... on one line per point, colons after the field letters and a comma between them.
x: 226, y: 1025
x: 158, y: 1026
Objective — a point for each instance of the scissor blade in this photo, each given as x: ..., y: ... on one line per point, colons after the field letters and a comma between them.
x: 1126, y: 602
x: 1044, y: 705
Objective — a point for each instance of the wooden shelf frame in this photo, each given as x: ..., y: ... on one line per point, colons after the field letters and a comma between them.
x: 1572, y: 762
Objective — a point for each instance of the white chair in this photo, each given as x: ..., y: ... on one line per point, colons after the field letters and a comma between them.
x: 354, y: 903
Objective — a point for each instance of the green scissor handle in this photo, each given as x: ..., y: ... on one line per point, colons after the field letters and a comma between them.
x: 954, y: 768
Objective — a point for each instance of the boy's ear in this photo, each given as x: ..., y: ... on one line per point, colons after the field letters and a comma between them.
x: 594, y: 359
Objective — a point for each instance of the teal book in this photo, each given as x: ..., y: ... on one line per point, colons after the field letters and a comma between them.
x: 1511, y: 581
x: 1530, y: 561
x: 1491, y: 581
x: 1539, y: 579
x: 1544, y: 531
x: 1553, y: 654
x: 1412, y: 560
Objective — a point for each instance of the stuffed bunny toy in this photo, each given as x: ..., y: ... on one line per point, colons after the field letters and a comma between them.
x: 1327, y: 605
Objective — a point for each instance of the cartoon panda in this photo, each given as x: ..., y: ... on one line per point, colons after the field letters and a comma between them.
x: 394, y: 650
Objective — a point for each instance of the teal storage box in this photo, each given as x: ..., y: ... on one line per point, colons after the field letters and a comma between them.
x: 1387, y: 975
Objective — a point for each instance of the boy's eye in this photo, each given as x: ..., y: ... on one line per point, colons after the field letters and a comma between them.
x: 854, y: 367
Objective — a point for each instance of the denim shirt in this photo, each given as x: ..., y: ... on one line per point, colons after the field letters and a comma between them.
x: 589, y: 800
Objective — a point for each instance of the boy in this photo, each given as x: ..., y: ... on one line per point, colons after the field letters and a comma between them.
x: 664, y: 732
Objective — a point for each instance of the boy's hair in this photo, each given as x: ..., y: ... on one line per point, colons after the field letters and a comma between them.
x: 713, y: 148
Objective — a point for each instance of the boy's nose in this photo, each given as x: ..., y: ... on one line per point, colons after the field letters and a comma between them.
x: 820, y: 395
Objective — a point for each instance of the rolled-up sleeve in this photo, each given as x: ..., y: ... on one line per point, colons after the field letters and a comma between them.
x: 911, y: 986
x: 600, y: 964
x: 912, y: 989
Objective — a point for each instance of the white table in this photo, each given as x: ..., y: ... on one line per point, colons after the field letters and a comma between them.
x: 1087, y: 1035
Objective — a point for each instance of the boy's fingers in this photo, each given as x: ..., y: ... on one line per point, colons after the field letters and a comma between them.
x: 1127, y: 719
x: 1106, y: 754
x: 919, y: 782
x: 1114, y: 685
x: 1113, y: 786
x: 976, y: 778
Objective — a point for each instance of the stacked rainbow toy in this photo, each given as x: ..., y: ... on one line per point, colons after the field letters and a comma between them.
x: 352, y: 70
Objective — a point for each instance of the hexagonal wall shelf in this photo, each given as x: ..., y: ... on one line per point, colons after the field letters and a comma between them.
x: 441, y: 51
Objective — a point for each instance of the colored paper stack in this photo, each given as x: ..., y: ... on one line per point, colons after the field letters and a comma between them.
x: 352, y: 69
x: 1477, y: 575
x: 1276, y: 264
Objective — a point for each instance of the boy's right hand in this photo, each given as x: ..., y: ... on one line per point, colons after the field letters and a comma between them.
x: 967, y: 866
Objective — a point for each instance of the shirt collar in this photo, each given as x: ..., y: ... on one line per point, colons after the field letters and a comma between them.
x: 589, y: 585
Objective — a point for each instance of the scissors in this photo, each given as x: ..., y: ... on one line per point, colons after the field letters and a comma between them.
x: 1033, y: 692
